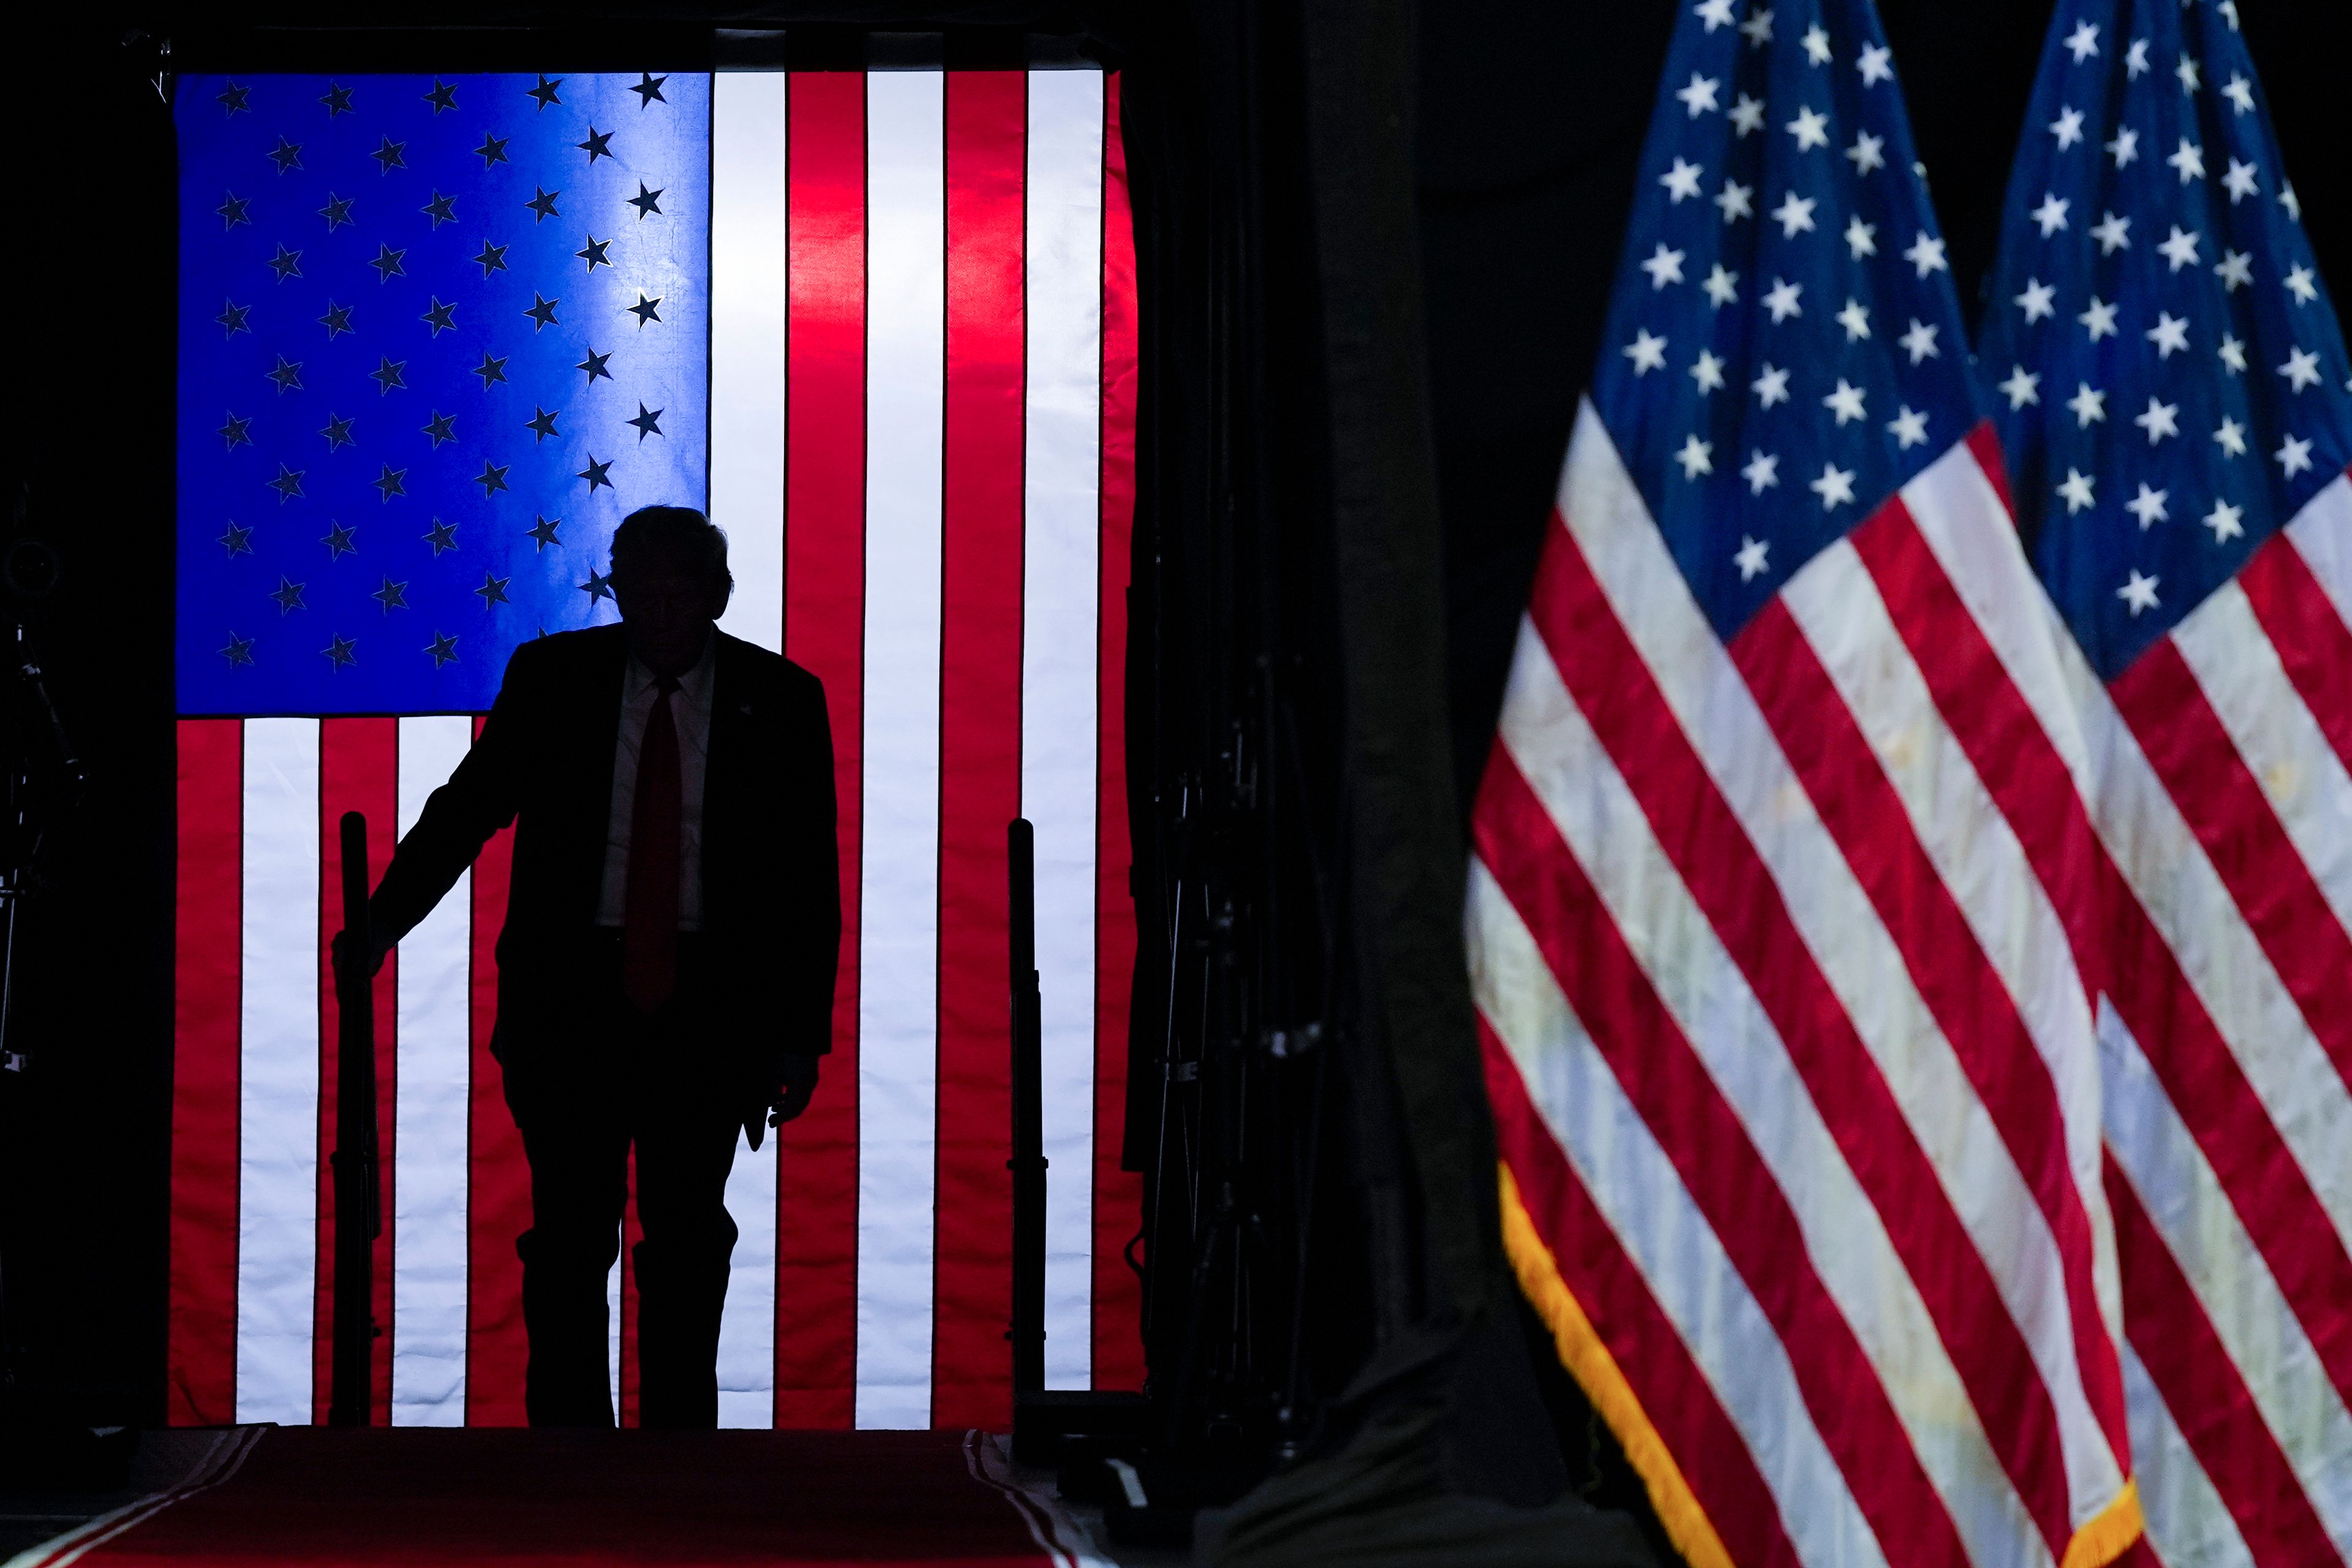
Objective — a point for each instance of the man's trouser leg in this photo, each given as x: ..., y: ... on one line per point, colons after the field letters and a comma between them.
x: 579, y: 1183
x: 684, y: 1152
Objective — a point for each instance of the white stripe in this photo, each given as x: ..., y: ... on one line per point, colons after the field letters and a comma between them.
x: 2253, y: 1320
x: 2322, y: 532
x: 1975, y: 851
x: 747, y: 1328
x: 2187, y: 1521
x: 2193, y: 909
x: 1840, y: 930
x: 277, y: 1073
x: 613, y: 1327
x: 432, y: 1082
x: 2300, y: 775
x: 748, y: 192
x: 898, y: 1008
x: 1639, y: 1193
x: 1701, y: 986
x: 1059, y: 666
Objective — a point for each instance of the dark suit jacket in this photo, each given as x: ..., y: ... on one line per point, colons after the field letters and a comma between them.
x: 770, y: 869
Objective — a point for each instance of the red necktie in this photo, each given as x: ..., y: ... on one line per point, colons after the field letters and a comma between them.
x: 649, y: 911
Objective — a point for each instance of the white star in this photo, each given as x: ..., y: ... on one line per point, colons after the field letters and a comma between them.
x: 2038, y: 301
x: 1794, y: 213
x: 1919, y: 342
x: 1648, y: 354
x: 1927, y: 254
x: 1695, y: 457
x: 2136, y: 59
x: 2189, y: 160
x: 2235, y: 269
x: 1663, y: 267
x: 2100, y: 318
x: 1875, y: 63
x: 2223, y: 521
x: 1817, y: 44
x: 2075, y: 491
x: 2140, y: 593
x: 1771, y: 387
x: 2240, y: 181
x: 1748, y: 114
x: 1733, y: 200
x: 1810, y: 128
x: 2083, y: 42
x: 1762, y: 471
x: 1835, y: 487
x: 1699, y: 96
x: 2160, y: 420
x: 1715, y: 13
x: 1707, y: 371
x: 1758, y: 28
x: 2124, y: 147
x: 2231, y: 437
x: 2228, y: 9
x: 2171, y: 334
x: 1909, y: 428
x: 2301, y: 369
x: 1855, y: 320
x: 2241, y: 93
x: 2187, y: 71
x: 2067, y: 128
x: 2087, y: 404
x: 2113, y: 234
x: 2052, y: 214
x: 2233, y: 353
x: 1868, y: 153
x: 2289, y: 200
x: 2180, y: 248
x: 2300, y: 284
x: 2293, y: 458
x: 1722, y: 288
x: 2023, y: 386
x: 1845, y: 403
x: 1861, y: 237
x: 2148, y: 507
x: 1749, y: 557
x: 1680, y: 181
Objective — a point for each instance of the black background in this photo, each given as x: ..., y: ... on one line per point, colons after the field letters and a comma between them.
x: 1529, y: 122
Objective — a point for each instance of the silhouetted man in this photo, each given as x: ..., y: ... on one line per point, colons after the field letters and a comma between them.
x: 665, y: 973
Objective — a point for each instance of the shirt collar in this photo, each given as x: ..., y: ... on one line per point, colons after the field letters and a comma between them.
x: 695, y: 684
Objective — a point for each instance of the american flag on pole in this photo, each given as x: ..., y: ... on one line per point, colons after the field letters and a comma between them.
x: 1781, y: 904
x: 2172, y: 392
x: 437, y: 336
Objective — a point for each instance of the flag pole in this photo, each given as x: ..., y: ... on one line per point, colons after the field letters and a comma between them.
x: 359, y: 1198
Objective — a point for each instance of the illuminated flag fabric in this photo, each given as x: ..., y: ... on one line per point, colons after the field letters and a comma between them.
x: 1777, y: 910
x: 2171, y: 390
x: 437, y: 336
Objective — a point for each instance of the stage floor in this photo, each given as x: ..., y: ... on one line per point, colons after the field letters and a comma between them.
x: 377, y: 1497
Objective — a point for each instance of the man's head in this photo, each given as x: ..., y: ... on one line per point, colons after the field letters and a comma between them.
x: 670, y: 579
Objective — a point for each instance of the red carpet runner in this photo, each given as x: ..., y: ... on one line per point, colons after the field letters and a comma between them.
x: 411, y: 1495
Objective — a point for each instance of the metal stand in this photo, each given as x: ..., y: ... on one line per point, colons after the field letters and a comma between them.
x: 358, y: 1193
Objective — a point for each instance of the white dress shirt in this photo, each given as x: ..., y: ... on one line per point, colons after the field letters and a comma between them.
x: 690, y: 709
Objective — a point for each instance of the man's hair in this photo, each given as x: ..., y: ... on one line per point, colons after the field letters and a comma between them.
x: 679, y: 535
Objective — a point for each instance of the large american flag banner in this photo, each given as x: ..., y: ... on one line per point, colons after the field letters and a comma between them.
x: 437, y: 336
x: 1781, y: 904
x: 2171, y: 389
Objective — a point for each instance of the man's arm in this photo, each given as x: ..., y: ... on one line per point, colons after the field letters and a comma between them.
x: 481, y: 796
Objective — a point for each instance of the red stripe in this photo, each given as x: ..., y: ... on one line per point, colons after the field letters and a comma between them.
x: 2311, y: 640
x: 824, y: 631
x: 1972, y: 1006
x: 1727, y: 1178
x: 497, y: 1198
x: 1118, y: 1193
x: 980, y: 740
x: 208, y: 1007
x: 359, y: 770
x: 633, y: 1231
x: 2208, y: 1400
x: 2225, y: 807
